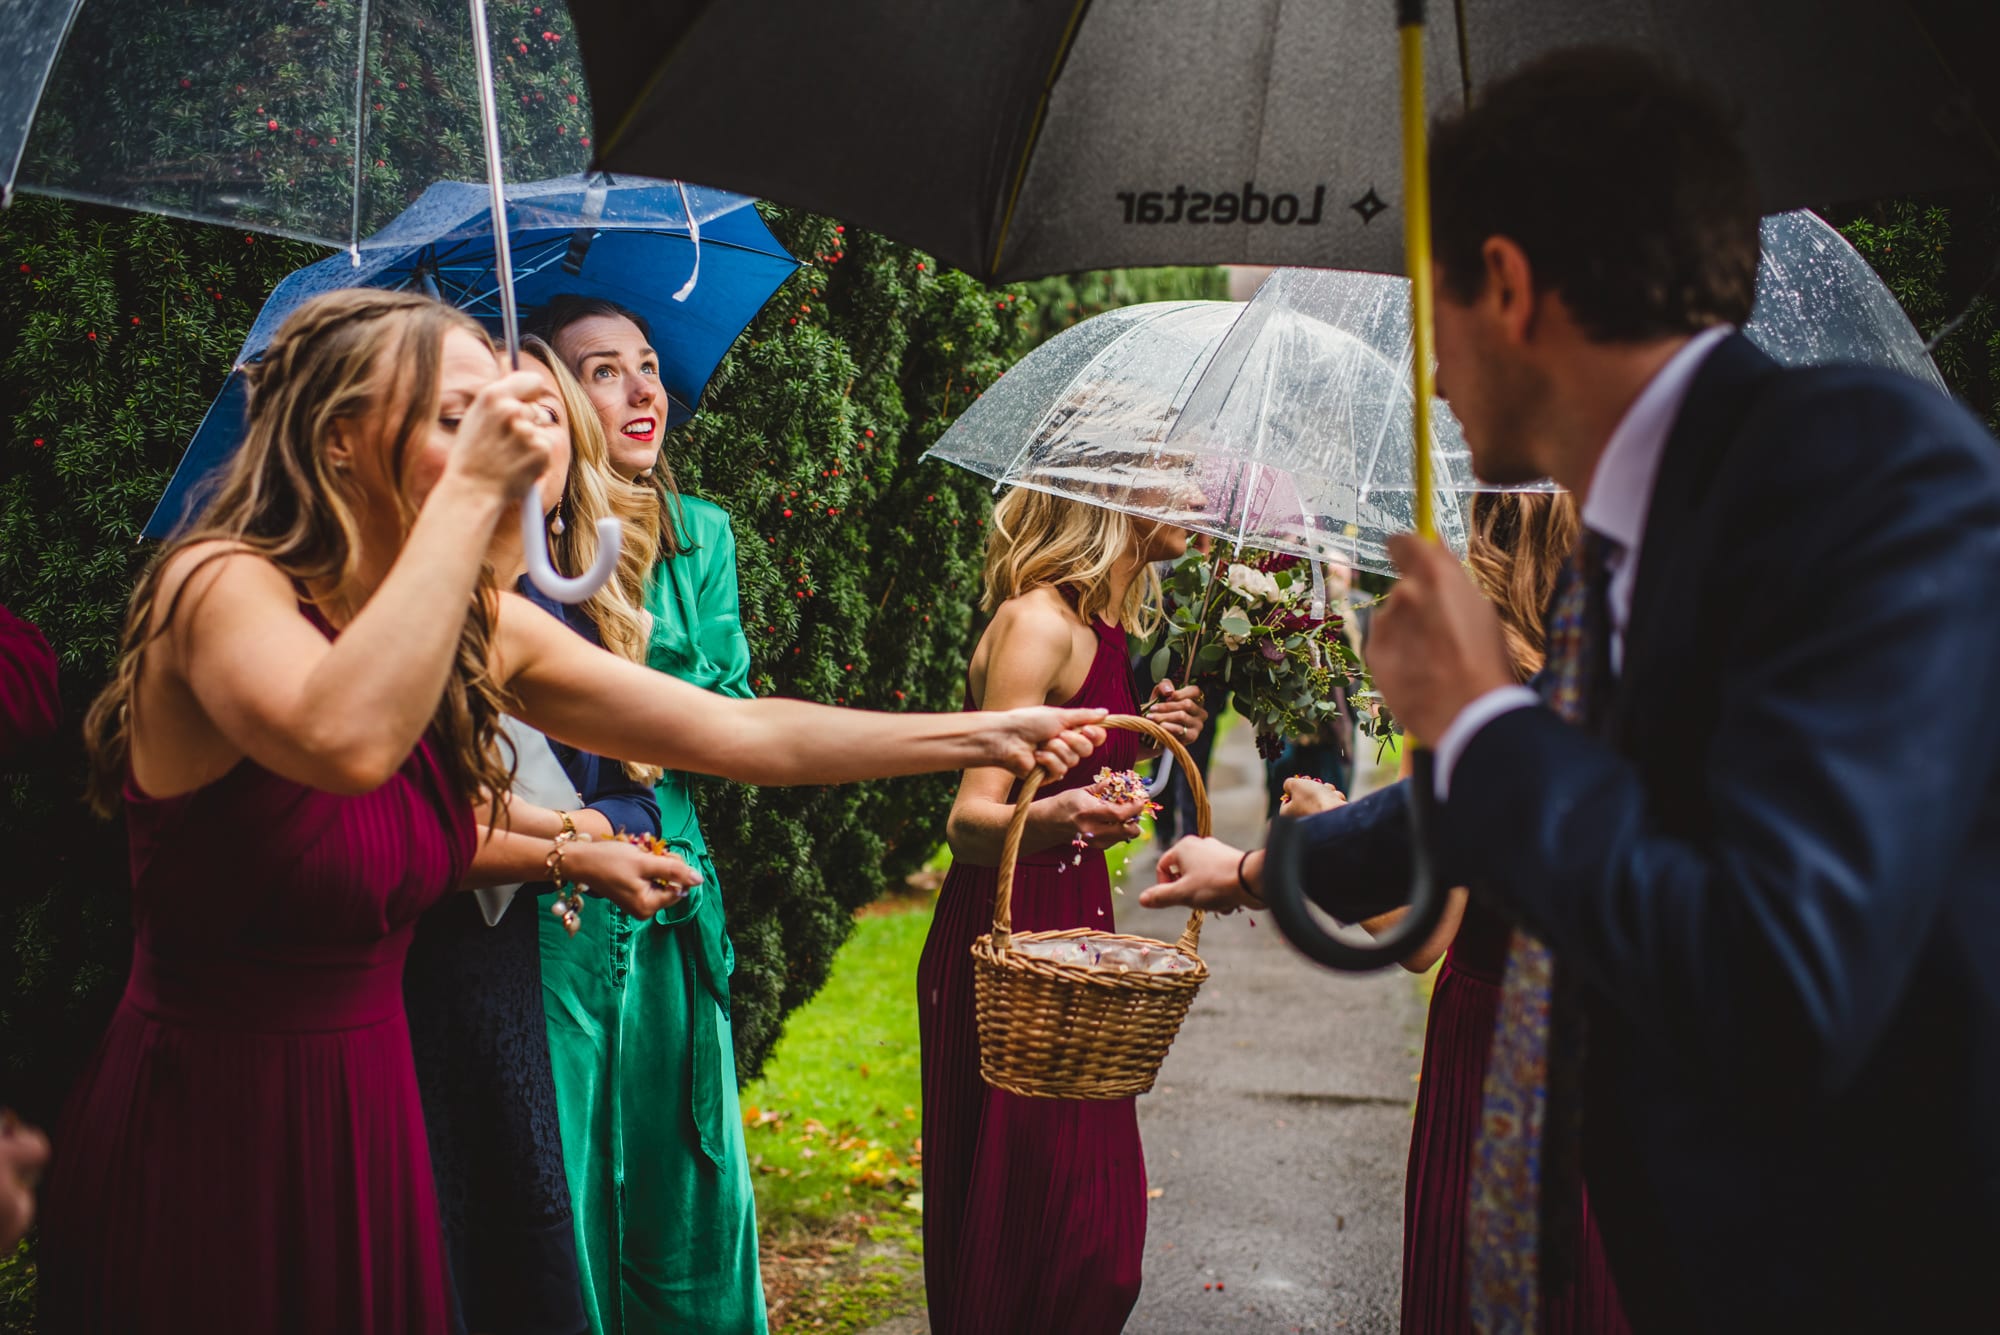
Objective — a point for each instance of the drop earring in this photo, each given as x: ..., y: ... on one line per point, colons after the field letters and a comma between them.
x: 556, y: 520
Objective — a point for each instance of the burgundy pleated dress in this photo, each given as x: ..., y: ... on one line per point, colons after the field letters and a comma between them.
x: 1034, y: 1209
x: 246, y: 1152
x: 1458, y: 1040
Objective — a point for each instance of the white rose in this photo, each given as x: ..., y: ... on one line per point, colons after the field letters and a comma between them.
x: 1233, y: 642
x: 1253, y: 584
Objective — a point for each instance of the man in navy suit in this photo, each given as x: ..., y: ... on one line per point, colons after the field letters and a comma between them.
x: 1768, y: 863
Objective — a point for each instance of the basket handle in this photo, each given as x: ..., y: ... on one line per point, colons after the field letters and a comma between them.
x: 1010, y: 849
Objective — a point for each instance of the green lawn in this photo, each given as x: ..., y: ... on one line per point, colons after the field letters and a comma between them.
x: 835, y: 1141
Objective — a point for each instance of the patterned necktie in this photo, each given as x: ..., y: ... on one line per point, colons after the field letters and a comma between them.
x: 1525, y: 1185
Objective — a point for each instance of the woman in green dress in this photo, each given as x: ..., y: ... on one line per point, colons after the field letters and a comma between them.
x: 638, y: 1011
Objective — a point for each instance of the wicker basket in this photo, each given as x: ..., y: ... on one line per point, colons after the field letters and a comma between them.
x: 1056, y: 1030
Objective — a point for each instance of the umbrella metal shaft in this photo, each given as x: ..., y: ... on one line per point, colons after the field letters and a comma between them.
x: 496, y: 180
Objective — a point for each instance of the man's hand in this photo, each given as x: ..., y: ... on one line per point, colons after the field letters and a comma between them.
x: 1436, y: 644
x: 1201, y: 873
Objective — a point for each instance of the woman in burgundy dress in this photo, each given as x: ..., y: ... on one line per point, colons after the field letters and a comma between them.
x: 1519, y: 543
x: 299, y: 728
x: 1035, y: 1209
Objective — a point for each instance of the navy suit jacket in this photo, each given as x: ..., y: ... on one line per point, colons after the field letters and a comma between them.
x: 1776, y: 872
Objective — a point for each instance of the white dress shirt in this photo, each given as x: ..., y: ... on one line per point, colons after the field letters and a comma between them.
x: 1621, y: 495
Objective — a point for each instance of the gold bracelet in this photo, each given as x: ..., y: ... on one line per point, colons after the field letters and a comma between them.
x: 568, y: 907
x: 568, y: 823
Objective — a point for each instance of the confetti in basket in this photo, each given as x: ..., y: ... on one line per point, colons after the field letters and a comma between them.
x: 1066, y: 1015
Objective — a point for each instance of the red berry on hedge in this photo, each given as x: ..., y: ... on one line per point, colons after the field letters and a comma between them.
x: 38, y: 442
x: 92, y: 336
x: 270, y: 125
x: 788, y: 514
x: 572, y: 99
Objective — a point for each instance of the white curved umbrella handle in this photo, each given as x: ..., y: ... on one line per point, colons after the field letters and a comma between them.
x: 535, y: 542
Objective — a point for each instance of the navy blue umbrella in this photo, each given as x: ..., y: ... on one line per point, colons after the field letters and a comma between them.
x: 697, y: 263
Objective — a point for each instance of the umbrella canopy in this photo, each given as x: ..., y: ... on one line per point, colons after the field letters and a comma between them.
x: 36, y: 30
x: 316, y: 121
x: 1014, y: 140
x: 1096, y: 413
x: 1819, y: 302
x: 1286, y: 423
x: 629, y: 241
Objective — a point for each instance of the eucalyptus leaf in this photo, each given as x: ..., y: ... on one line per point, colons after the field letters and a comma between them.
x: 1234, y: 622
x: 1162, y: 660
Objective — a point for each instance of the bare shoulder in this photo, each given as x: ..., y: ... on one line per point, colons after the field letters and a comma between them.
x: 1037, y: 619
x: 1026, y: 652
x: 201, y: 569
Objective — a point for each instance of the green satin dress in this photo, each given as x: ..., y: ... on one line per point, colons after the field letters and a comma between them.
x: 638, y: 1012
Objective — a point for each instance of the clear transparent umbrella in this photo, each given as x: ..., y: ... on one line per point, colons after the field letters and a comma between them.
x: 1093, y: 414
x: 1286, y: 423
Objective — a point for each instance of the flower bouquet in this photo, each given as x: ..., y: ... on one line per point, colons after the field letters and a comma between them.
x: 1250, y: 621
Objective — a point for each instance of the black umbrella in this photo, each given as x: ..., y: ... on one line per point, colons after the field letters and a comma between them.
x: 1041, y: 136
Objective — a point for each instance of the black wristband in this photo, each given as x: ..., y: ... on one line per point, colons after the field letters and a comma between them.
x: 1243, y: 882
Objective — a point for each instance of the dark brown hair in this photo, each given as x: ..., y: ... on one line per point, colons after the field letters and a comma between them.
x: 1519, y: 542
x: 547, y: 323
x: 342, y: 356
x: 1623, y: 183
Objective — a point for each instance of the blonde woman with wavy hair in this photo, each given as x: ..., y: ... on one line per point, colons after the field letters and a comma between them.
x: 473, y: 983
x: 1035, y: 1209
x: 303, y: 720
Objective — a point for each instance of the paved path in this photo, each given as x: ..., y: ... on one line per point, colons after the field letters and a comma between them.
x: 1277, y: 1132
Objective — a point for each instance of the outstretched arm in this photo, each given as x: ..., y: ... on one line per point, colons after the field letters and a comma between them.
x: 594, y: 700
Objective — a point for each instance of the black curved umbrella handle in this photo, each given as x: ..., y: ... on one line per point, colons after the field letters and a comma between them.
x: 1285, y: 891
